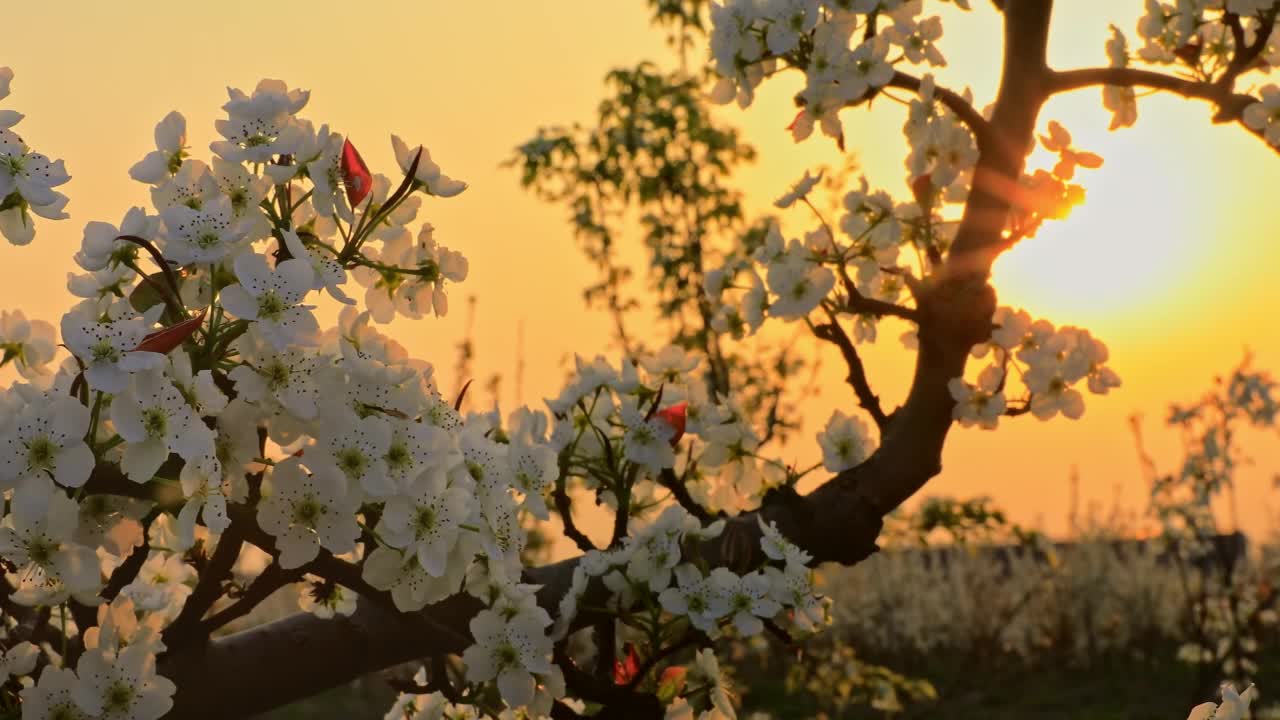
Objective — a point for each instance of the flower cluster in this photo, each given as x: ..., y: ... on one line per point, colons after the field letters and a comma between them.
x: 836, y: 44
x: 1050, y: 363
x: 27, y: 178
x: 619, y: 430
x: 203, y: 375
x: 201, y: 404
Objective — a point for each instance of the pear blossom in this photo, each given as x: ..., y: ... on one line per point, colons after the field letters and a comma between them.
x: 793, y: 587
x: 329, y: 273
x: 703, y: 601
x: 166, y: 159
x: 777, y: 547
x: 163, y: 583
x: 28, y: 344
x: 53, y: 697
x: 799, y: 191
x: 412, y: 587
x: 1052, y: 392
x: 426, y: 520
x: 18, y: 660
x: 245, y: 193
x: 206, y: 491
x: 192, y: 187
x: 27, y: 180
x: 428, y: 174
x: 501, y: 535
x: 869, y: 68
x: 647, y: 441
x: 47, y: 440
x: 418, y: 447
x: 748, y: 599
x: 325, y: 599
x: 788, y: 21
x: 656, y: 551
x: 671, y: 364
x: 102, y: 284
x: 325, y: 171
x: 260, y: 126
x: 36, y: 538
x: 270, y: 299
x: 846, y: 442
x: 203, y: 236
x: 119, y: 627
x: 286, y: 378
x: 982, y: 404
x: 105, y: 342
x: 799, y: 284
x: 1264, y: 116
x: 124, y: 688
x: 918, y: 40
x: 200, y: 389
x: 484, y: 460
x: 534, y: 469
x: 155, y: 419
x: 357, y: 447
x: 1059, y: 140
x: 510, y: 651
x: 1234, y: 705
x: 419, y: 289
x: 307, y: 511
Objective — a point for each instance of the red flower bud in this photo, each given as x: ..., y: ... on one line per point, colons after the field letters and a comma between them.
x: 671, y: 682
x: 626, y: 667
x: 674, y: 416
x: 355, y: 174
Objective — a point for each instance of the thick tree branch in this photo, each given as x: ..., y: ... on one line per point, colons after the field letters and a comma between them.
x: 1024, y: 86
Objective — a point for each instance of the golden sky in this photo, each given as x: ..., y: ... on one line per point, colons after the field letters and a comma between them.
x: 1170, y: 260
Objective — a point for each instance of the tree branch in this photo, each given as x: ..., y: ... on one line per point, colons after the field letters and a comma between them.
x: 565, y: 509
x: 667, y: 479
x: 953, y: 101
x: 270, y: 580
x: 857, y: 378
x: 187, y: 627
x: 1230, y: 104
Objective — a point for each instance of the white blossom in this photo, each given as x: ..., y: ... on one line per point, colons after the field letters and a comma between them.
x: 306, y: 511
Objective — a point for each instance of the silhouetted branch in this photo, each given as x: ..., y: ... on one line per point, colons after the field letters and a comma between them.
x: 954, y: 102
x: 833, y: 333
x: 667, y: 479
x: 1230, y: 105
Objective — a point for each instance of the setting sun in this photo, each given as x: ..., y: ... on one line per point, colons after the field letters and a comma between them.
x: 1124, y: 250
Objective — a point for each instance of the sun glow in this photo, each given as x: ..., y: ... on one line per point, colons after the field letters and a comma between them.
x: 1130, y: 243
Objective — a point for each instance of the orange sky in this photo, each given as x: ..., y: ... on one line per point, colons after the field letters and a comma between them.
x: 1170, y: 260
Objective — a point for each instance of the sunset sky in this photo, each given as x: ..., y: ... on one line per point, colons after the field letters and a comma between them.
x: 1170, y: 261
